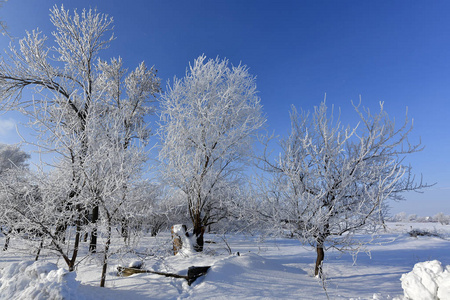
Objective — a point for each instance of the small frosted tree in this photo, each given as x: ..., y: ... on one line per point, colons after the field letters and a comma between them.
x: 12, y: 162
x: 208, y: 123
x: 331, y: 182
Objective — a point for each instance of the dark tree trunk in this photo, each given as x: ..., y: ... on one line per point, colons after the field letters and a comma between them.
x: 71, y: 264
x: 93, y: 243
x: 124, y: 230
x: 106, y: 253
x: 41, y: 244
x: 154, y: 231
x: 319, y: 260
x: 198, y: 232
x: 60, y: 231
x: 5, y: 247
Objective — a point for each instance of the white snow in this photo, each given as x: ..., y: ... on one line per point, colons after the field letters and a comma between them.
x: 38, y: 280
x: 428, y: 280
x: 137, y: 264
x: 265, y: 269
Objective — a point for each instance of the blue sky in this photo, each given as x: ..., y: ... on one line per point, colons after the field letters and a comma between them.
x: 392, y: 51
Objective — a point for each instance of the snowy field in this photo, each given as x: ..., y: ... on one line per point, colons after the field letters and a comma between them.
x: 264, y: 269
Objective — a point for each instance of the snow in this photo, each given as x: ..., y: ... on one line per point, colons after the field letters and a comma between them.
x: 137, y: 264
x: 399, y: 267
x: 428, y: 280
x: 38, y: 280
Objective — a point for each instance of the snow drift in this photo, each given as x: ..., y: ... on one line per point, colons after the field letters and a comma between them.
x: 38, y: 280
x: 428, y: 280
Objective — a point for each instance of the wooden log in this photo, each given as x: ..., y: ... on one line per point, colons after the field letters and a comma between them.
x: 196, y: 272
x: 192, y: 274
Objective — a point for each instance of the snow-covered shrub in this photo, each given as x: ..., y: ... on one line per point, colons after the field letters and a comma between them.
x: 422, y: 232
x: 39, y: 281
x: 427, y: 281
x: 441, y: 218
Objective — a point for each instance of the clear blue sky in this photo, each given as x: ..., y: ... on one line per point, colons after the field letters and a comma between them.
x: 392, y: 51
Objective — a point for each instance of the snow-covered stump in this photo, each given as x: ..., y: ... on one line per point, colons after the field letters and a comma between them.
x: 182, y: 241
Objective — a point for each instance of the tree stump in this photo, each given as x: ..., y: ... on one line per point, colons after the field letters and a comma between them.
x: 181, y: 239
x: 176, y: 239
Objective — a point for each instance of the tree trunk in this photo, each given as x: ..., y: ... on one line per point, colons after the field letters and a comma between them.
x: 5, y: 247
x: 198, y: 232
x: 71, y: 263
x: 60, y: 231
x: 41, y: 244
x: 93, y: 243
x: 124, y: 230
x: 319, y: 260
x: 105, y: 255
x: 176, y: 240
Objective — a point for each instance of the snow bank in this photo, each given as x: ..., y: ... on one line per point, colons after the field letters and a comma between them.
x: 38, y: 280
x: 428, y: 280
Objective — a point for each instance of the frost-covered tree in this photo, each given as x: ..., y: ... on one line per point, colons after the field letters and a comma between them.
x: 208, y: 123
x: 331, y: 182
x: 87, y: 111
x: 442, y: 218
x: 12, y: 157
x: 30, y: 207
x: 114, y: 167
x: 12, y: 162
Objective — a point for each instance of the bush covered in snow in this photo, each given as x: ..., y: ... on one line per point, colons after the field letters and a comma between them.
x: 422, y: 232
x: 39, y: 281
x: 427, y: 281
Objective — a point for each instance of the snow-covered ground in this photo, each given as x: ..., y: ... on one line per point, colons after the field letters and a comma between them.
x: 264, y: 269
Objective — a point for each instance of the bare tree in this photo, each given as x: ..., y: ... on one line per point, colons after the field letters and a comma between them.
x: 113, y: 169
x: 12, y: 162
x: 208, y: 122
x: 62, y: 79
x: 88, y: 111
x: 31, y: 206
x: 331, y: 182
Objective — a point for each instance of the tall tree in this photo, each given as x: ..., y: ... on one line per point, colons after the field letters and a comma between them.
x: 81, y: 105
x: 208, y: 123
x: 331, y: 182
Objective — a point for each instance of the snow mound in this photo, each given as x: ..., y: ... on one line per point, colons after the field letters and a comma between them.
x: 137, y: 264
x: 38, y: 280
x: 428, y: 281
x: 251, y: 276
